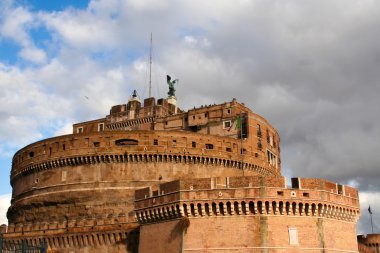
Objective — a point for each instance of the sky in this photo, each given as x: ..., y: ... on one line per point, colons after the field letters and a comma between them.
x: 310, y: 67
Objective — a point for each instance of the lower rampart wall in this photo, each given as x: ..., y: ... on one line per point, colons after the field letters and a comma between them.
x: 369, y: 243
x: 76, y: 237
x: 265, y: 233
x: 249, y: 214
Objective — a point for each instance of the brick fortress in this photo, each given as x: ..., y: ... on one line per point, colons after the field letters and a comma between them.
x: 150, y: 177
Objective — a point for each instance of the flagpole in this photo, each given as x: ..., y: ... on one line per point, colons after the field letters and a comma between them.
x: 150, y: 66
x: 370, y: 213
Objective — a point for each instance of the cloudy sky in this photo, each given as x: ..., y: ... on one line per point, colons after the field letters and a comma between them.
x: 312, y: 68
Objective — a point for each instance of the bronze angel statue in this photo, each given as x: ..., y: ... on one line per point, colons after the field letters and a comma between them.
x: 171, y: 83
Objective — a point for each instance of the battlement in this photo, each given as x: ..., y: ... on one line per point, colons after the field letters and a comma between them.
x: 246, y: 196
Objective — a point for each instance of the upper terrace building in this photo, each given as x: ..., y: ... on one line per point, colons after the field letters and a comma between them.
x: 77, y: 192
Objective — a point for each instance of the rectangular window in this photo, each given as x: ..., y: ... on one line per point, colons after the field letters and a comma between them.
x: 228, y: 150
x: 174, y: 143
x: 64, y: 175
x: 209, y: 146
x: 227, y: 124
x: 193, y: 144
x: 79, y: 130
x: 293, y: 236
x: 258, y: 130
x: 96, y: 144
x: 100, y: 127
x: 155, y: 142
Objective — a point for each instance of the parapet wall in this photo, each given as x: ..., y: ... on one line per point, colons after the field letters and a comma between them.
x: 246, y: 196
x: 96, y: 236
x: 70, y: 150
x: 248, y: 214
x: 369, y: 243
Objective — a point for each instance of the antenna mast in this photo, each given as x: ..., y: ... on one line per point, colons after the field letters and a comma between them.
x: 150, y: 67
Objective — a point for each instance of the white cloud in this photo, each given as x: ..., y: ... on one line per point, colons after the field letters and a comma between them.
x: 5, y: 202
x: 33, y: 54
x: 15, y: 23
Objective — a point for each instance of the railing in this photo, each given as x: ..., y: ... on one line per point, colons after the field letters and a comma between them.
x: 23, y: 247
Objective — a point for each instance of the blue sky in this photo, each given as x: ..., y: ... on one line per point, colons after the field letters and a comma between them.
x: 9, y: 56
x: 53, y: 5
x: 310, y: 68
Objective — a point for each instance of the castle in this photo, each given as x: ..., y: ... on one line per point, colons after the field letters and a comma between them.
x: 150, y: 177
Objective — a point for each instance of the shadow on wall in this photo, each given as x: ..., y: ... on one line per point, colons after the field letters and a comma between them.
x: 179, y: 228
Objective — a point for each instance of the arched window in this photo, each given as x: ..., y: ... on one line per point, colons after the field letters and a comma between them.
x: 126, y: 142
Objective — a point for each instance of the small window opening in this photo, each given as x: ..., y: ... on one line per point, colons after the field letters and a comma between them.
x: 228, y: 149
x: 229, y: 111
x: 306, y: 194
x: 155, y: 142
x: 193, y: 116
x: 280, y: 193
x: 243, y: 151
x: 340, y: 189
x: 174, y: 144
x: 209, y: 146
x: 63, y: 146
x: 96, y: 144
x: 36, y: 180
x: 193, y: 144
x: 101, y: 127
x: 80, y: 130
x: 227, y: 124
x: 258, y: 130
x: 31, y: 154
x: 206, y: 114
x: 293, y: 236
x: 126, y: 142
